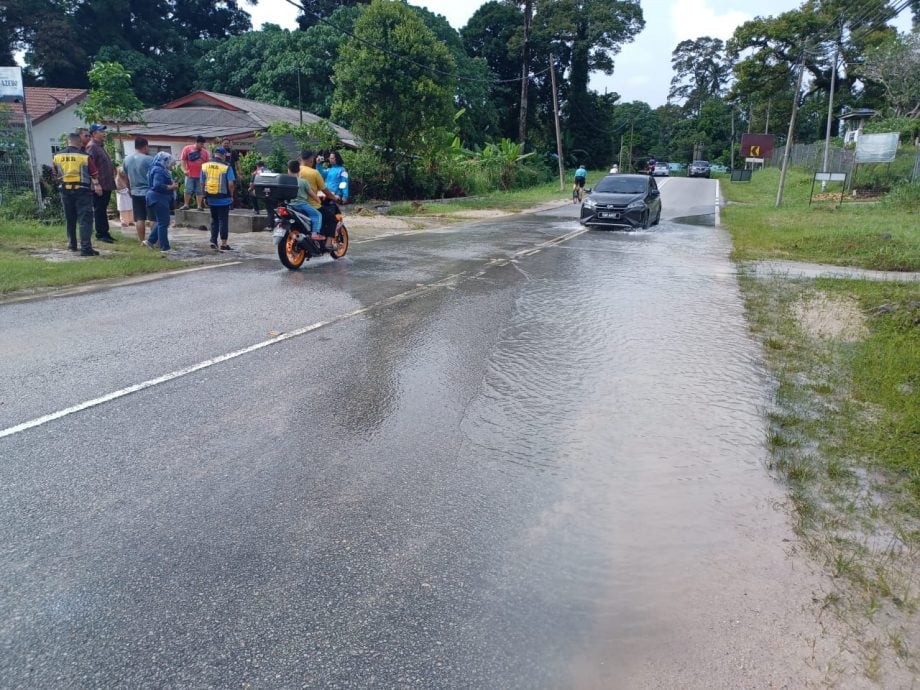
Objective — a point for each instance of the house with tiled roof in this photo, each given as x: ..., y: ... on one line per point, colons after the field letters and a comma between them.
x: 215, y: 116
x: 53, y: 114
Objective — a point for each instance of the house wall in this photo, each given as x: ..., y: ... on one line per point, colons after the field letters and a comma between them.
x: 47, y: 133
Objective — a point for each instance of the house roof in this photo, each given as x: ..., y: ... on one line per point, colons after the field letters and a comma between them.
x: 212, y: 114
x: 42, y: 101
x: 858, y: 114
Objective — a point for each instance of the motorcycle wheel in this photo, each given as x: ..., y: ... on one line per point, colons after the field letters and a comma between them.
x: 290, y: 255
x: 341, y: 238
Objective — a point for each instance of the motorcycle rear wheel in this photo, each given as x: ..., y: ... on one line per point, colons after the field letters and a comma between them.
x: 291, y: 256
x: 341, y: 239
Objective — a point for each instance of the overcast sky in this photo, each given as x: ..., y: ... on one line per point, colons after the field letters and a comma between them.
x: 643, y: 68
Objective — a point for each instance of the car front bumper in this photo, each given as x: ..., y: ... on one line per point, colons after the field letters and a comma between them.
x: 615, y: 217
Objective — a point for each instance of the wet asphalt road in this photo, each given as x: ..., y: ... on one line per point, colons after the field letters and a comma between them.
x: 511, y: 454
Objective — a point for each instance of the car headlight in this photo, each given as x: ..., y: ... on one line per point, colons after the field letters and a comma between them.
x: 638, y: 203
x: 589, y: 203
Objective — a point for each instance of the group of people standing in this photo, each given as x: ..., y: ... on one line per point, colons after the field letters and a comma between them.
x: 147, y: 191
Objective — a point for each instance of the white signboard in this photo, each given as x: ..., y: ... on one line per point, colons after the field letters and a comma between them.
x: 877, y: 148
x: 10, y: 84
x: 830, y: 177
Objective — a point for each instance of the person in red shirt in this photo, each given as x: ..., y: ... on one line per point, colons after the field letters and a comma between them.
x: 193, y: 157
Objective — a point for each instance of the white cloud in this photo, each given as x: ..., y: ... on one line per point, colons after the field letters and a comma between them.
x: 693, y: 18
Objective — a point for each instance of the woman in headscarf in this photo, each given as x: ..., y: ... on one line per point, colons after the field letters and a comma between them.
x: 160, y: 188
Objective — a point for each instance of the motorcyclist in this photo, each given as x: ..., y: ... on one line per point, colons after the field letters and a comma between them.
x: 651, y: 165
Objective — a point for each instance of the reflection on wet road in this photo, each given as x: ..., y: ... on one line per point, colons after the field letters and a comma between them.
x: 543, y: 472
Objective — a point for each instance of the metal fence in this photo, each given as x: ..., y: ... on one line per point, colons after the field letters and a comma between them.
x: 15, y: 167
x: 811, y: 156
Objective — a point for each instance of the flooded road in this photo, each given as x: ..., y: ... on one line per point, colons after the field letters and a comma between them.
x: 511, y: 455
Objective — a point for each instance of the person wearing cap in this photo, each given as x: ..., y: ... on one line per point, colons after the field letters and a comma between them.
x: 103, y: 191
x: 193, y: 157
x: 160, y: 187
x: 217, y: 183
x: 76, y: 173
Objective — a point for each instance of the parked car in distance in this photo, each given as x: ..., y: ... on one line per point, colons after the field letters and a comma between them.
x: 718, y: 168
x: 630, y: 201
x: 661, y: 170
x: 699, y: 169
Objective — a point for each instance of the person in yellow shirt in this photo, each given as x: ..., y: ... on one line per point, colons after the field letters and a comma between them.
x: 314, y: 179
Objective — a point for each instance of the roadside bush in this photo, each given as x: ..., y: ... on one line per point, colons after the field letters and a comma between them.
x: 18, y: 206
x: 906, y: 195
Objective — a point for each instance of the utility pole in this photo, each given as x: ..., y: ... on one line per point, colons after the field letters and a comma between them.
x: 631, y: 124
x: 525, y: 72
x: 299, y: 98
x: 732, y: 164
x: 552, y: 74
x: 789, y: 136
x: 766, y: 126
x: 830, y: 117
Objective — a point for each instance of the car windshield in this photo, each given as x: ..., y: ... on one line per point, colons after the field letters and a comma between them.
x: 621, y: 185
x: 701, y: 162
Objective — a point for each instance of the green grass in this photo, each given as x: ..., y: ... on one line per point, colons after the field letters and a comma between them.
x: 21, y: 269
x: 882, y: 236
x: 845, y: 430
x: 511, y: 201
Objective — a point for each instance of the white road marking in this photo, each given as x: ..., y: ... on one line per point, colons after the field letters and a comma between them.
x: 447, y: 282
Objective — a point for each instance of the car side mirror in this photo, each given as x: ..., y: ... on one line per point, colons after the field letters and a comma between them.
x: 588, y: 190
x: 656, y: 192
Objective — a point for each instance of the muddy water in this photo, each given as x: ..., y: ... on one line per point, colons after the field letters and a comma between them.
x: 627, y: 381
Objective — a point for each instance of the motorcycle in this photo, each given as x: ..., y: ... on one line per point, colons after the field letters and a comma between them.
x: 291, y: 234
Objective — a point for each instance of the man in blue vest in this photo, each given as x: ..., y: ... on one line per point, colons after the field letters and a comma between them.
x: 217, y: 183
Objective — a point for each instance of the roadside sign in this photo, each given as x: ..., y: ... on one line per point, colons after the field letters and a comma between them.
x: 877, y: 148
x: 829, y: 177
x: 741, y: 175
x: 11, y: 85
x: 757, y: 146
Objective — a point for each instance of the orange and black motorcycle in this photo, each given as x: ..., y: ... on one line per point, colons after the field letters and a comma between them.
x: 292, y: 235
x: 291, y: 232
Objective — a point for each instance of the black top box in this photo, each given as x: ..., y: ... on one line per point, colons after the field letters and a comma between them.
x: 275, y: 186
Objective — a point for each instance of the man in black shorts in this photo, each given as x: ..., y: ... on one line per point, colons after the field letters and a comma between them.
x: 137, y: 165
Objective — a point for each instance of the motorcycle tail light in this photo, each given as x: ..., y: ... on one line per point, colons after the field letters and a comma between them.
x: 282, y: 212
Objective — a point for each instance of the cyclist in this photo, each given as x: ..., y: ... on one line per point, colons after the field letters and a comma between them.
x: 580, y: 176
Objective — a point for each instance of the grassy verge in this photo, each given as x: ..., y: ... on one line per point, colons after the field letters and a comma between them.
x: 512, y: 201
x: 881, y: 235
x: 845, y: 436
x: 25, y: 248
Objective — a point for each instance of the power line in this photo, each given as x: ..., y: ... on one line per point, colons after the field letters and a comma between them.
x: 393, y: 54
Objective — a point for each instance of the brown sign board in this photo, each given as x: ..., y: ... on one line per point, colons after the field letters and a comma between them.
x: 756, y: 145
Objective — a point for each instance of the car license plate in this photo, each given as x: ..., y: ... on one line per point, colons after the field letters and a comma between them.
x: 278, y: 234
x: 605, y: 214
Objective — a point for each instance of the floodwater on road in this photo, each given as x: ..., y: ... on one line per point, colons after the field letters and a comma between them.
x: 547, y: 472
x: 626, y: 389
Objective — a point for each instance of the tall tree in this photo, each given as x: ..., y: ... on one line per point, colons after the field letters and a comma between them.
x: 110, y: 98
x: 158, y: 41
x: 701, y: 71
x: 267, y: 64
x: 895, y: 65
x: 585, y: 35
x: 394, y: 103
x: 314, y: 10
x: 491, y: 34
x: 816, y: 32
